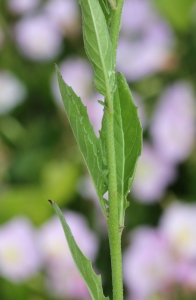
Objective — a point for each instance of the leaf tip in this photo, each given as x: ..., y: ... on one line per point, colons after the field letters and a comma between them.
x: 51, y: 202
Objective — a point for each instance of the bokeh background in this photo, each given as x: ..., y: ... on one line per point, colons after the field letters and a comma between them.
x: 39, y: 158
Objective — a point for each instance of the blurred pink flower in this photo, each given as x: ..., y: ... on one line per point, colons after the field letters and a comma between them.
x: 61, y: 270
x: 152, y: 176
x: 37, y: 38
x: 22, y: 6
x: 178, y: 224
x: 19, y: 256
x: 136, y: 15
x: 147, y: 264
x: 53, y: 242
x: 65, y: 16
x: 63, y: 280
x: 173, y: 128
x: 12, y: 92
x: 185, y: 274
x: 146, y: 40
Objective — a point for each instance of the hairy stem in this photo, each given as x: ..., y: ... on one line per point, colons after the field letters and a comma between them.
x: 113, y: 226
x: 114, y: 231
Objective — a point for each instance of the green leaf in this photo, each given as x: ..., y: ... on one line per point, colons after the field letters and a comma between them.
x: 83, y: 264
x: 98, y: 45
x: 89, y: 144
x: 106, y: 10
x: 105, y: 6
x: 127, y: 141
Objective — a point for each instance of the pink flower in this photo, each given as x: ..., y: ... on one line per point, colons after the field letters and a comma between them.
x: 65, y: 16
x: 173, y: 128
x: 153, y: 174
x: 185, y: 274
x: 146, y: 40
x: 19, y: 256
x: 62, y: 274
x: 12, y: 93
x: 178, y: 224
x: 37, y: 38
x: 147, y: 263
x: 22, y: 6
x: 64, y: 281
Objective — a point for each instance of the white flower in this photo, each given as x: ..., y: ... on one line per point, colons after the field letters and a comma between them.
x: 65, y: 16
x: 12, y: 92
x: 19, y: 256
x: 178, y: 224
x: 173, y: 128
x: 152, y: 176
x: 22, y: 6
x: 37, y: 38
x: 147, y: 263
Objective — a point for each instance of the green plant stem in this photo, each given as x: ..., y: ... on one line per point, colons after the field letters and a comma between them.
x: 113, y: 227
x: 115, y: 24
x: 112, y: 3
x: 114, y: 231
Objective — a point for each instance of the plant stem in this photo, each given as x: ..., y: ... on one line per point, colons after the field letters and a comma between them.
x: 112, y: 3
x: 113, y: 226
x: 115, y: 24
x: 114, y: 231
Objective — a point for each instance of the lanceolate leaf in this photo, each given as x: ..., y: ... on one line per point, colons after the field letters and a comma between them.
x: 127, y: 141
x: 98, y: 45
x: 89, y: 144
x: 83, y: 264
